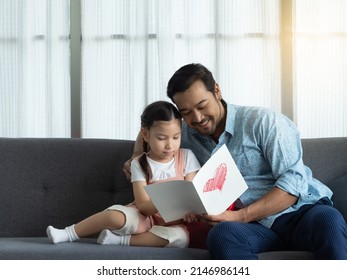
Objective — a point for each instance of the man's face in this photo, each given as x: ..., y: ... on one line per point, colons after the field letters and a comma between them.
x: 201, y: 110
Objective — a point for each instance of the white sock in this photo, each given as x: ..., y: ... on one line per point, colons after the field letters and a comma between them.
x: 61, y: 235
x: 108, y: 237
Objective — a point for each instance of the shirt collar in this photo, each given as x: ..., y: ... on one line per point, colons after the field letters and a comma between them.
x: 230, y: 121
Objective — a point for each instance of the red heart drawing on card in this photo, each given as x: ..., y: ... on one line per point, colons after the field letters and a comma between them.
x: 218, y: 180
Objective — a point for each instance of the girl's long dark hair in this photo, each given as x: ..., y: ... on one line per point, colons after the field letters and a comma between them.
x: 156, y: 111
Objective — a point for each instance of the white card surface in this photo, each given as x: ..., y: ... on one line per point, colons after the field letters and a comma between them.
x: 215, y: 187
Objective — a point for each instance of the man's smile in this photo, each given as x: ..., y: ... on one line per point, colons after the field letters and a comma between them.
x: 203, y: 124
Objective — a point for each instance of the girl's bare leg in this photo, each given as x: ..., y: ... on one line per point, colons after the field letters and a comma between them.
x: 157, y: 236
x: 94, y: 224
x: 148, y: 239
x: 110, y: 219
x: 142, y: 239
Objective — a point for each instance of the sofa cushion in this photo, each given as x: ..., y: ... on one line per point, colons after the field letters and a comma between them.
x: 286, y: 255
x: 59, y: 182
x: 39, y: 248
x: 327, y: 157
x: 339, y: 188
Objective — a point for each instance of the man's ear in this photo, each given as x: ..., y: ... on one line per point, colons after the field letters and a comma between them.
x: 145, y: 134
x: 217, y: 91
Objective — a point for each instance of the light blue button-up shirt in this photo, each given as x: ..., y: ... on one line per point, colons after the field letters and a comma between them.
x: 266, y: 147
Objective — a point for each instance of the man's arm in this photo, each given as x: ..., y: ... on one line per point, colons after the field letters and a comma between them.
x: 138, y: 150
x: 273, y: 202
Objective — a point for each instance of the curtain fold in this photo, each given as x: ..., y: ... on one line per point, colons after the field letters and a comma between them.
x: 34, y: 68
x: 320, y: 47
x: 130, y: 49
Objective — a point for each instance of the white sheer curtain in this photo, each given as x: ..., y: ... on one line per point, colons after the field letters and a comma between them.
x: 320, y: 67
x: 34, y: 68
x: 130, y: 49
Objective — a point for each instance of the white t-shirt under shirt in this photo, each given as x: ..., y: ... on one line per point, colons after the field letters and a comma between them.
x: 162, y: 171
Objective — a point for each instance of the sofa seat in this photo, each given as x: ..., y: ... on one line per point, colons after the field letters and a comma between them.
x: 62, y: 181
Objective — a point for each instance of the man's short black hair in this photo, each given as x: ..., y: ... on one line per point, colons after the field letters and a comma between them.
x: 184, y: 77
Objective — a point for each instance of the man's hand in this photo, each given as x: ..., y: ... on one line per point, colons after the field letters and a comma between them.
x: 273, y: 202
x: 226, y: 216
x: 126, y: 169
x: 138, y: 150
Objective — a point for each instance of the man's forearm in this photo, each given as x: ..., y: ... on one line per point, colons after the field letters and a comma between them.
x: 273, y: 202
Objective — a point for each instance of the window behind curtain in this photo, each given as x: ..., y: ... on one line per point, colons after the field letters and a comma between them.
x: 320, y: 47
x: 34, y: 68
x: 131, y: 48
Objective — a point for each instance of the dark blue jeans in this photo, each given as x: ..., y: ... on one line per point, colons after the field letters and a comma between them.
x: 318, y: 228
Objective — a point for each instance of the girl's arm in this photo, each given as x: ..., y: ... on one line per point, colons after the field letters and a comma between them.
x: 191, y: 164
x: 190, y: 217
x: 190, y: 176
x: 194, y: 165
x: 142, y: 200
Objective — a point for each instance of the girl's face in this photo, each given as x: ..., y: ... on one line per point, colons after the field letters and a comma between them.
x: 164, y: 139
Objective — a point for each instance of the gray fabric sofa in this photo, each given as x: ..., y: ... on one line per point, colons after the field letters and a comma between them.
x: 61, y: 181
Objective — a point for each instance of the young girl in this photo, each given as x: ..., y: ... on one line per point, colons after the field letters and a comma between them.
x: 139, y: 223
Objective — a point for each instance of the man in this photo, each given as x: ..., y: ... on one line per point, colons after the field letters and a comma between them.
x: 284, y: 207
